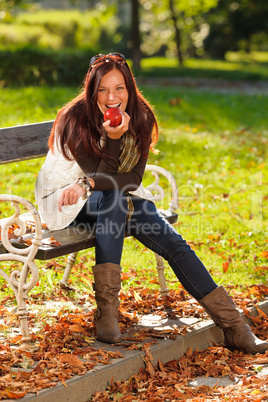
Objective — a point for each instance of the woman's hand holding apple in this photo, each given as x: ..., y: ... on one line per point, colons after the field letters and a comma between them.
x: 115, y: 122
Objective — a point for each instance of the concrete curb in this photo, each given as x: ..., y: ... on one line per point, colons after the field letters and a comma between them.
x: 81, y: 388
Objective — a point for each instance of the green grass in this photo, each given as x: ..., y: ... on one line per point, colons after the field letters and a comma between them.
x: 32, y: 104
x: 237, y: 66
x: 215, y: 145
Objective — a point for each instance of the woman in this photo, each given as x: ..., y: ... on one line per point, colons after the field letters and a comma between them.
x: 92, y: 176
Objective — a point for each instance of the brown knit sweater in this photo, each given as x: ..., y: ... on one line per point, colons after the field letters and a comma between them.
x: 101, y: 168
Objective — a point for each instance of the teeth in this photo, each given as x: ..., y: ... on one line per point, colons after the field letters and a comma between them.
x: 116, y: 105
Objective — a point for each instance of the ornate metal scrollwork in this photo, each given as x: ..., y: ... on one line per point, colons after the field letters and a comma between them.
x: 159, y: 192
x: 18, y: 278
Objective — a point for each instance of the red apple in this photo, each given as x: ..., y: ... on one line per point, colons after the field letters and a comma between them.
x: 114, y: 115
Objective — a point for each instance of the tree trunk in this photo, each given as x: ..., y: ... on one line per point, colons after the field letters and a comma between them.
x: 177, y: 31
x: 135, y: 40
x: 248, y: 45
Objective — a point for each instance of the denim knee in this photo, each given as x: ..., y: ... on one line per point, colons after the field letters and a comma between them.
x: 113, y: 201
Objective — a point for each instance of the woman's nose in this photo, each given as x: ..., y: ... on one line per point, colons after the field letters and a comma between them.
x: 111, y: 95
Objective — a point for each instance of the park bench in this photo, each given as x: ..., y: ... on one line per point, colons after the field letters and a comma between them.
x: 32, y: 240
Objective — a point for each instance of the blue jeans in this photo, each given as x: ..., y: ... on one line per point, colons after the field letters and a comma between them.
x: 106, y: 213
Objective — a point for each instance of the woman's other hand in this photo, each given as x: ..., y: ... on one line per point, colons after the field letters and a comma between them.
x: 70, y: 196
x: 116, y: 132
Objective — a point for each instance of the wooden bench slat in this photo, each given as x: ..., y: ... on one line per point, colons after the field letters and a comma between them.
x: 71, y: 241
x: 24, y: 142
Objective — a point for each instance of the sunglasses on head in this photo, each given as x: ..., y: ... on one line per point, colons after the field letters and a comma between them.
x: 102, y: 58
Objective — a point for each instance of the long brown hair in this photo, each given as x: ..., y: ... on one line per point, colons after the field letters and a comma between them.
x: 81, y: 122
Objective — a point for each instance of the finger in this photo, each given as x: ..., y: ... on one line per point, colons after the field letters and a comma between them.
x: 125, y: 120
x: 66, y: 200
x: 106, y: 124
x: 63, y: 200
x: 60, y: 203
x: 126, y: 115
x: 74, y: 199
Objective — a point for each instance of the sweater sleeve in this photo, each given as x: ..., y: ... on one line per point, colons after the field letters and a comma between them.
x: 104, y: 170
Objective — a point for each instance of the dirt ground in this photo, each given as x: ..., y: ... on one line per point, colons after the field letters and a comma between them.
x: 217, y: 85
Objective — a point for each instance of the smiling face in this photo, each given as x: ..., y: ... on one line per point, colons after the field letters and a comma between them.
x: 112, y: 91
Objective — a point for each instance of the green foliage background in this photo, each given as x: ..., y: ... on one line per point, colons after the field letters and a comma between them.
x: 47, y: 47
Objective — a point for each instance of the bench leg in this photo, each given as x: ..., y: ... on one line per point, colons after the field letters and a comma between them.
x: 22, y: 314
x: 70, y: 262
x: 21, y: 293
x: 161, y: 275
x: 18, y: 283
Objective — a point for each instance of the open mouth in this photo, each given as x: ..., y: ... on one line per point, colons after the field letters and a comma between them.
x: 115, y: 105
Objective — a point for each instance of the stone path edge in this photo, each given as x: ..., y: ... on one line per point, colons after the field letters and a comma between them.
x: 81, y: 388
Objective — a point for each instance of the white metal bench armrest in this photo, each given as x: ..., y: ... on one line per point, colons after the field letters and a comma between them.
x: 159, y: 191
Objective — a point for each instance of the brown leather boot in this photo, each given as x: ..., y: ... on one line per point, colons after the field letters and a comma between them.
x: 107, y: 285
x: 237, y: 334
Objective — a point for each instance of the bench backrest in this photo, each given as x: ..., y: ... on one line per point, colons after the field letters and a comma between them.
x: 24, y: 142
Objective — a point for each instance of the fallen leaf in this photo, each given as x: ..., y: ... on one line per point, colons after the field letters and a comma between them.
x: 71, y: 359
x: 51, y: 242
x: 225, y: 266
x: 15, y: 395
x: 264, y: 254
